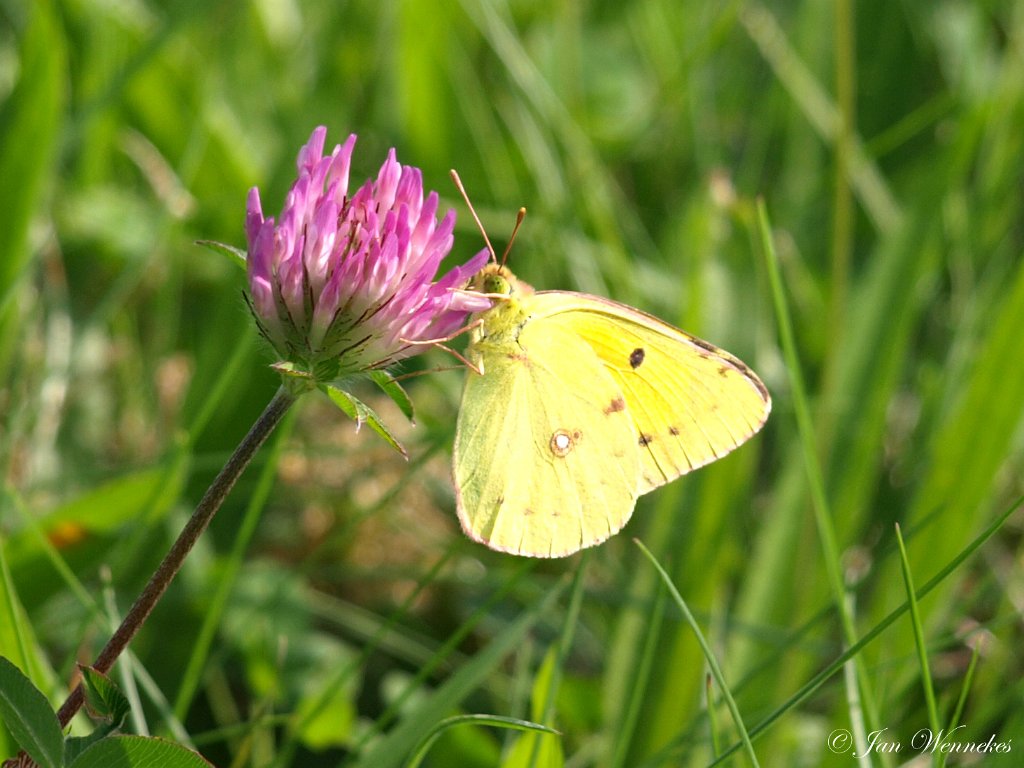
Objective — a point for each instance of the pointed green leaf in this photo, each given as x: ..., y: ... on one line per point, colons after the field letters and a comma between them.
x: 361, y: 413
x: 235, y: 255
x: 104, y: 699
x: 29, y: 717
x: 138, y: 752
x: 394, y: 390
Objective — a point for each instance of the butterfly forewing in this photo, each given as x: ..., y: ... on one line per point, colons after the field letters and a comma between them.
x: 690, y: 402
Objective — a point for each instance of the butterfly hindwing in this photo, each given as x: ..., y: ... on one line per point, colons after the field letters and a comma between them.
x: 691, y: 402
x: 545, y: 460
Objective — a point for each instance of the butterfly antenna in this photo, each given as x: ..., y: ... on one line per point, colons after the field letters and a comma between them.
x: 519, y: 220
x: 462, y: 191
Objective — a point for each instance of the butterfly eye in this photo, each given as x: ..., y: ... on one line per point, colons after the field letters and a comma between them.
x: 496, y: 284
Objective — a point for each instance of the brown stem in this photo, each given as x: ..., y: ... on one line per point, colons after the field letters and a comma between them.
x: 195, y: 526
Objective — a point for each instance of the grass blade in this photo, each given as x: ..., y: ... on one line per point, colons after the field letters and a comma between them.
x: 716, y: 671
x: 497, y: 721
x: 919, y: 641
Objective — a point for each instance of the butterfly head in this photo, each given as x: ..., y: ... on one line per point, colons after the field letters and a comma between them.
x: 497, y: 281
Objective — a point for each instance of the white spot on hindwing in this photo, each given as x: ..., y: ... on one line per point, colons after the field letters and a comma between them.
x: 563, y: 441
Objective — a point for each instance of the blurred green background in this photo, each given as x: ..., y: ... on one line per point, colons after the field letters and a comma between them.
x: 334, y: 613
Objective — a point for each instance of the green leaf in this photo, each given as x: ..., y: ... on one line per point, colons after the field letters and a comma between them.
x: 361, y: 413
x: 394, y: 390
x: 29, y: 717
x: 76, y: 745
x: 104, y: 699
x: 235, y: 255
x: 139, y: 752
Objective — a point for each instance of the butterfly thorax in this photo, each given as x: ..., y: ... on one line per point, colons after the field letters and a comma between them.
x: 499, y: 327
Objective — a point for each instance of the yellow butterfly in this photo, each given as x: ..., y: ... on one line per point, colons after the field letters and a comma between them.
x: 579, y: 405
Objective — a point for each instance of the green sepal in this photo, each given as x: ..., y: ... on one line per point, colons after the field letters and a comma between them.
x: 394, y: 390
x: 104, y: 699
x: 291, y: 370
x: 296, y: 380
x: 105, y: 702
x: 361, y: 413
x: 326, y: 369
x: 235, y: 255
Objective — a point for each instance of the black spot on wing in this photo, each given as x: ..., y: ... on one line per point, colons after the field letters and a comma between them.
x: 636, y: 357
x: 674, y: 431
x: 645, y: 440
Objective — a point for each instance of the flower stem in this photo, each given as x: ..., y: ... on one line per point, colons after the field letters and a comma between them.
x: 207, y: 508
